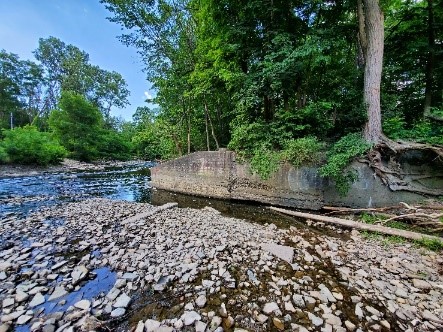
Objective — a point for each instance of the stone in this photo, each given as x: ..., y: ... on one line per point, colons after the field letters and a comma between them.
x: 9, y: 301
x: 3, y: 276
x: 5, y: 327
x: 83, y: 304
x: 131, y: 276
x: 278, y: 323
x: 200, y: 326
x: 332, y: 319
x: 270, y: 308
x: 222, y: 311
x: 421, y: 284
x: 298, y: 300
x: 285, y: 253
x: 350, y: 326
x: 400, y: 292
x: 317, y: 321
x: 58, y: 292
x: 78, y: 274
x: 122, y: 301
x: 215, y: 322
x: 151, y: 325
x: 289, y: 307
x: 140, y: 326
x: 262, y: 318
x: 21, y: 296
x: 112, y: 294
x: 118, y: 312
x: 23, y: 319
x: 37, y: 300
x: 189, y: 317
x: 430, y: 316
x: 201, y: 301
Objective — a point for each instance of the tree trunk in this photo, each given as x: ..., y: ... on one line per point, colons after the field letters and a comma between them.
x: 189, y: 131
x: 430, y: 59
x: 373, y: 68
x: 208, y: 118
x: 362, y: 40
x: 206, y: 128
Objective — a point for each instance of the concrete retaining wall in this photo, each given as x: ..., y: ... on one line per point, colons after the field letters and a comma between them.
x: 217, y: 174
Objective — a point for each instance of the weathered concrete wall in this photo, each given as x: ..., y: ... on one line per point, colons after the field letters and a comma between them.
x: 217, y: 174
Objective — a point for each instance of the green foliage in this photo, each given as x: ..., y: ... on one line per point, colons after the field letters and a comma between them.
x: 302, y: 151
x: 114, y: 146
x: 265, y: 161
x: 247, y: 136
x: 27, y: 145
x: 77, y: 124
x: 431, y: 244
x: 339, y: 157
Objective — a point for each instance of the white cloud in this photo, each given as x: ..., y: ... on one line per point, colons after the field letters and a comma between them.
x: 148, y: 95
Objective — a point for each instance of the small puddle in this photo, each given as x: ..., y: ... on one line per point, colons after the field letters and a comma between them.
x: 100, y: 285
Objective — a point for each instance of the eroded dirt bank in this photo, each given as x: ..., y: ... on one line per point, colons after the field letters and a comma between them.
x: 108, y: 265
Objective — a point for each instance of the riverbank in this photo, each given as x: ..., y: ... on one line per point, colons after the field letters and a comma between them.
x: 67, y: 165
x: 102, y: 264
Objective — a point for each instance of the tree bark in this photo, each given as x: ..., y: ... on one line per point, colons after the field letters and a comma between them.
x: 373, y: 68
x: 362, y: 40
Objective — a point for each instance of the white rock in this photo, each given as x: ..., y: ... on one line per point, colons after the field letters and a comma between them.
x: 200, y: 326
x: 122, y: 301
x: 201, y: 301
x: 23, y: 319
x: 270, y: 308
x: 8, y: 302
x: 140, y: 326
x: 58, y: 292
x: 37, y: 300
x: 118, y: 312
x: 189, y: 317
x: 83, y: 305
x: 151, y: 325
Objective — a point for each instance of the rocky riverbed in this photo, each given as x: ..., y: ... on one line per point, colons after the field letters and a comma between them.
x: 107, y: 265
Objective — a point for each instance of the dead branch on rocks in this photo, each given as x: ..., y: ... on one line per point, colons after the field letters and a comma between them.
x: 358, y: 225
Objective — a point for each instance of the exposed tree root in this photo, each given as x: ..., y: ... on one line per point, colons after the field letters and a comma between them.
x: 385, y: 159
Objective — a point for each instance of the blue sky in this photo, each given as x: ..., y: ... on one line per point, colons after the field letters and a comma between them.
x: 81, y: 23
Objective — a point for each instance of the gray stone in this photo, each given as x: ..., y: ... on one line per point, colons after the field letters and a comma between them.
x: 421, y: 284
x: 201, y: 301
x: 151, y: 325
x: 189, y: 317
x: 80, y: 272
x: 215, y: 322
x: 118, y: 312
x: 298, y: 300
x: 270, y: 307
x: 122, y: 301
x: 21, y: 296
x: 9, y: 301
x: 37, y: 300
x: 317, y: 321
x: 23, y: 319
x: 83, y: 304
x: 140, y: 326
x: 58, y: 292
x: 200, y: 326
x: 285, y: 253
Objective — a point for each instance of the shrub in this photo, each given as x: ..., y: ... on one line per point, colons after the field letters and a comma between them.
x: 114, y: 146
x: 340, y: 156
x: 302, y: 151
x: 27, y: 145
x: 265, y: 161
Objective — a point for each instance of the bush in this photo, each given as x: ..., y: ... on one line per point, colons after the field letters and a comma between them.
x: 340, y: 156
x: 114, y: 146
x: 302, y: 151
x: 265, y: 161
x: 27, y: 145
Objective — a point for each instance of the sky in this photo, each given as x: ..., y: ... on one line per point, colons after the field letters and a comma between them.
x: 81, y: 23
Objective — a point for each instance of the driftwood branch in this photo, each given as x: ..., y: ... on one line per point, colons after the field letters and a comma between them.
x: 358, y: 225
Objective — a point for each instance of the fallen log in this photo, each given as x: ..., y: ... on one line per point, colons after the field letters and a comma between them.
x: 358, y: 225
